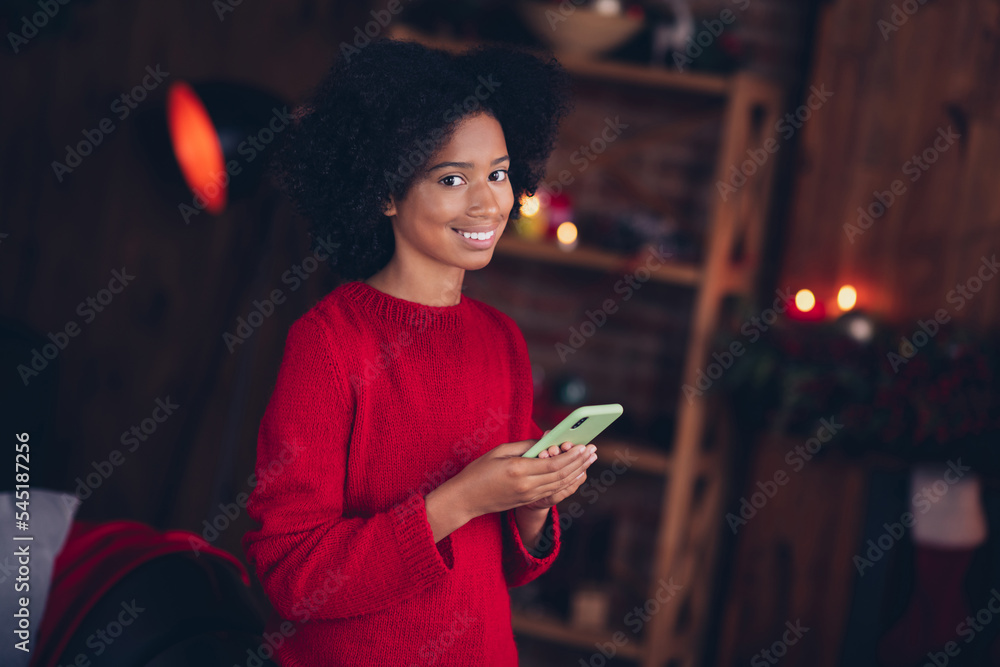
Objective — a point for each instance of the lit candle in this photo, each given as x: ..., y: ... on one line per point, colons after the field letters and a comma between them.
x: 567, y: 236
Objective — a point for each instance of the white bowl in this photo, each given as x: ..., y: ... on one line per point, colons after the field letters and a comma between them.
x: 579, y: 32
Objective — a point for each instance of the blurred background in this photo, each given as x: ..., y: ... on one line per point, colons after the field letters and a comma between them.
x: 769, y: 230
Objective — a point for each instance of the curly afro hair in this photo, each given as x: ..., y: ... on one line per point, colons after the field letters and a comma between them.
x: 379, y: 114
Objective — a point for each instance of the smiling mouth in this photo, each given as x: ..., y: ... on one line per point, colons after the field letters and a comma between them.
x: 479, y: 236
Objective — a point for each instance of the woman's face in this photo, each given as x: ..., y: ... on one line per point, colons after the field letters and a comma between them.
x: 457, y: 208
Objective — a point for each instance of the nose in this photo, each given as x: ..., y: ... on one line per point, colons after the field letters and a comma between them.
x: 484, y: 201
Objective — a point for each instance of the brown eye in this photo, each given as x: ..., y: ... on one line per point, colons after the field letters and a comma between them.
x: 446, y: 178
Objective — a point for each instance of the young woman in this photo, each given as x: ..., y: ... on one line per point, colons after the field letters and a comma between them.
x: 395, y: 509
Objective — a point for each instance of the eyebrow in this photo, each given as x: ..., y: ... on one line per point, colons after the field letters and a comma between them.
x: 466, y: 165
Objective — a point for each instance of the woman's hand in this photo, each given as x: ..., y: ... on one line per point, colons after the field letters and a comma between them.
x: 555, y: 450
x: 502, y: 479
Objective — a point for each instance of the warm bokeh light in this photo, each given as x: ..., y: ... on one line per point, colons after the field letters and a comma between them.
x: 805, y: 300
x: 530, y: 205
x: 847, y: 297
x: 196, y: 146
x: 566, y: 233
x: 860, y: 328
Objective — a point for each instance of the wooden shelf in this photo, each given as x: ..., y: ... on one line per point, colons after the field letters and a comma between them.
x: 650, y: 460
x: 649, y: 76
x: 555, y: 629
x: 601, y: 260
x: 712, y: 85
x: 646, y: 459
x: 697, y: 478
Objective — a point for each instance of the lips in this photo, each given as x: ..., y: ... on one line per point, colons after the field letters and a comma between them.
x: 478, y: 236
x: 481, y: 236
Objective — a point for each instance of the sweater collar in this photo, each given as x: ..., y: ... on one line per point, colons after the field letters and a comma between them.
x: 400, y: 311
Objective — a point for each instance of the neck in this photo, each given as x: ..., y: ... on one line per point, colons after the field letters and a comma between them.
x: 431, y: 285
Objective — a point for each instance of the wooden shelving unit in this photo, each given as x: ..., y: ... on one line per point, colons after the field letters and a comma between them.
x: 696, y: 471
x: 646, y: 459
x: 554, y: 629
x: 593, y: 258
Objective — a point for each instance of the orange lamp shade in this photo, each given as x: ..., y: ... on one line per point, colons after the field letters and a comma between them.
x: 196, y: 146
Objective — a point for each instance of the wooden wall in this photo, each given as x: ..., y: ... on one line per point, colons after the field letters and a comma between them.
x: 162, y: 335
x: 897, y: 79
x: 793, y: 559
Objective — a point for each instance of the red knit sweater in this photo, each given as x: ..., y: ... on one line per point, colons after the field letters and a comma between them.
x: 378, y: 401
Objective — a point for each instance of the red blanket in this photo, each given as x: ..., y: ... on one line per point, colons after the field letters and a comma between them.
x: 93, y: 559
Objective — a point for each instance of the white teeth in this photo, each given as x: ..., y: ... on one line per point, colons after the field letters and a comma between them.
x: 480, y: 236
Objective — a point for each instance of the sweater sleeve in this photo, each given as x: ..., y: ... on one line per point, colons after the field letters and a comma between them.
x: 520, y: 564
x: 312, y: 560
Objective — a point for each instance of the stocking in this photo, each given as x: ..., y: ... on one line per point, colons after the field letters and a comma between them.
x: 936, y: 608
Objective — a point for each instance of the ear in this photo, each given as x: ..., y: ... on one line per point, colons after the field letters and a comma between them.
x: 390, y: 208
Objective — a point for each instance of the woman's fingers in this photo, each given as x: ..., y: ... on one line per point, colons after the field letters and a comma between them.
x: 567, y: 491
x: 556, y: 462
x: 555, y: 450
x: 560, y: 479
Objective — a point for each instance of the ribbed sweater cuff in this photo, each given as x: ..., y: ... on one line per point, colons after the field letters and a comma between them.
x: 418, y: 552
x: 548, y: 539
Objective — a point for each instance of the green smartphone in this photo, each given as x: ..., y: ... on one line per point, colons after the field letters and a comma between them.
x: 580, y: 427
